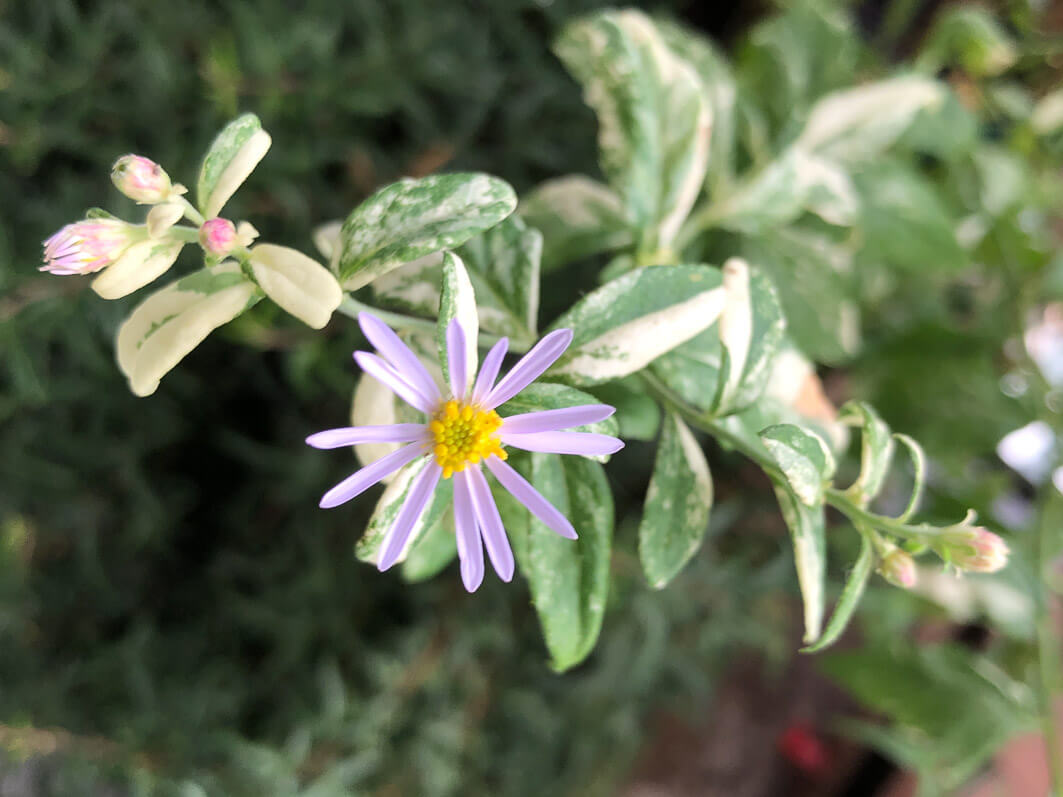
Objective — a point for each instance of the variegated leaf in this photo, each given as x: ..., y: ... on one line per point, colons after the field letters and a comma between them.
x: 676, y: 512
x: 876, y: 449
x: 436, y: 548
x: 297, y: 283
x: 626, y: 324
x: 807, y: 534
x: 803, y: 457
x: 540, y: 396
x: 172, y: 322
x: 654, y: 121
x: 232, y: 157
x: 412, y: 218
x: 140, y: 264
x: 458, y: 301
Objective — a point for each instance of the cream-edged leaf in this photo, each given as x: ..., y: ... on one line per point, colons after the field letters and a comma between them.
x: 140, y: 264
x: 172, y: 322
x: 803, y: 457
x: 232, y: 157
x: 458, y: 302
x: 807, y: 533
x: 299, y: 284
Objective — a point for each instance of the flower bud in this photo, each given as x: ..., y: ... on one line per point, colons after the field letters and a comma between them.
x: 898, y: 568
x: 982, y: 552
x: 141, y: 179
x: 87, y: 246
x: 218, y: 236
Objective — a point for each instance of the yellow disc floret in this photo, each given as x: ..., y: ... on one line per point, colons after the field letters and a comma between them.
x: 463, y: 434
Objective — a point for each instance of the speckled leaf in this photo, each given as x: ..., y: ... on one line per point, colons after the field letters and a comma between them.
x: 503, y: 265
x: 693, y: 369
x: 433, y: 552
x: 626, y: 324
x: 412, y: 218
x: 804, y: 458
x: 457, y: 301
x: 540, y: 396
x: 676, y: 515
x: 779, y: 193
x: 578, y: 217
x: 856, y: 124
x: 232, y: 156
x: 173, y: 321
x: 806, y: 526
x: 654, y: 121
x: 876, y: 450
x: 388, y: 507
x: 569, y: 579
x: 751, y: 329
x: 848, y: 600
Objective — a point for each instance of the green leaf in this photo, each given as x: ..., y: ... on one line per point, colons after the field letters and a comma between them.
x: 457, y: 301
x: 413, y: 218
x: 915, y: 452
x: 971, y: 37
x: 387, y: 510
x: 876, y: 450
x: 638, y: 415
x: 569, y: 579
x: 804, y: 458
x: 849, y: 599
x: 654, y: 121
x: 807, y: 534
x: 173, y: 321
x: 857, y: 124
x: 629, y: 322
x: 578, y: 217
x: 503, y: 265
x: 904, y: 222
x: 779, y: 193
x: 540, y: 396
x: 434, y: 551
x: 232, y: 157
x: 676, y: 514
x: 751, y: 329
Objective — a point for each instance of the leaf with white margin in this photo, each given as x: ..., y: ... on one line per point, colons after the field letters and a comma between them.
x: 140, y: 264
x: 503, y: 265
x: 578, y: 217
x: 436, y: 549
x: 751, y: 330
x: 387, y: 509
x: 807, y: 534
x: 299, y: 284
x: 458, y: 301
x: 232, y: 157
x: 541, y: 396
x: 678, y: 501
x: 803, y: 457
x: 856, y: 124
x: 626, y: 324
x: 876, y: 449
x: 848, y: 600
x: 412, y: 218
x: 172, y: 322
x: 654, y: 122
x: 779, y: 193
x: 569, y: 579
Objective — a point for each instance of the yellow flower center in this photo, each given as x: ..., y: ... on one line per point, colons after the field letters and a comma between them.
x: 463, y: 434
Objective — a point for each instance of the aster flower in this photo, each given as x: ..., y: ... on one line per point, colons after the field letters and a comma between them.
x: 87, y: 246
x: 461, y: 433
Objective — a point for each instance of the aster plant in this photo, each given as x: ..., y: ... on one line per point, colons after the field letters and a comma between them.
x: 670, y: 347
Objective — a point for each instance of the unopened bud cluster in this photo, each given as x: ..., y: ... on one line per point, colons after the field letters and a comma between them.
x: 898, y: 568
x: 143, y: 180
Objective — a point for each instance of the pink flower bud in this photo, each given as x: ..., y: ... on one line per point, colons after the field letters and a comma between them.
x: 898, y: 568
x: 87, y: 246
x: 141, y: 179
x: 218, y: 236
x: 982, y: 552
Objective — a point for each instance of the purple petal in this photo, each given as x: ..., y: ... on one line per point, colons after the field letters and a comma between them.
x: 412, y: 509
x: 355, y: 435
x: 489, y: 372
x: 387, y: 375
x: 470, y: 548
x: 457, y: 359
x: 587, y: 444
x: 530, y: 367
x: 494, y: 534
x: 554, y: 420
x: 402, y: 359
x: 521, y: 489
x: 361, y: 480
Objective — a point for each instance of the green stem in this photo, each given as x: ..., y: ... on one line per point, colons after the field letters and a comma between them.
x: 187, y: 234
x: 191, y: 213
